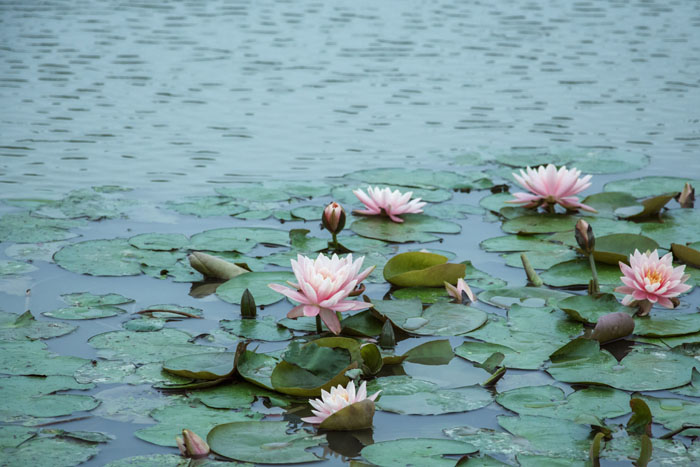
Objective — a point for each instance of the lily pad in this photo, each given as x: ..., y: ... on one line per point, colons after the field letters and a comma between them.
x: 25, y: 326
x: 24, y: 357
x: 607, y: 203
x: 8, y: 268
x: 257, y: 368
x: 82, y: 312
x: 518, y: 243
x: 611, y: 249
x: 208, y: 206
x: 540, y: 259
x: 649, y: 186
x: 415, y: 228
x: 526, y: 296
x: 416, y: 451
x: 419, y: 269
x: 263, y: 442
x: 163, y: 460
x: 263, y: 329
x: 159, y: 241
x: 526, y: 339
x: 422, y: 178
x: 588, y: 308
x: 660, y: 324
x: 552, y: 223
x: 478, y: 278
x: 643, y: 369
x: 441, y: 319
x: 686, y: 254
x: 410, y: 396
x: 676, y: 226
x: 25, y: 228
x: 256, y: 283
x: 424, y: 294
x: 197, y: 417
x: 605, y: 161
x: 240, y: 239
x: 578, y: 272
x: 210, y: 366
x: 51, y: 452
x: 674, y: 413
x: 550, y: 401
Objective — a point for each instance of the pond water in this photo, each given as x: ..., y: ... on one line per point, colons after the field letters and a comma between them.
x: 175, y: 100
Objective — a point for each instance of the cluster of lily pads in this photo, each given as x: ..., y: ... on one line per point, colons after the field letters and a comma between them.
x: 555, y: 320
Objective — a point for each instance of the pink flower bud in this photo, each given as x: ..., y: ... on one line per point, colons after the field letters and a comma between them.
x: 461, y: 292
x: 334, y: 218
x: 191, y: 445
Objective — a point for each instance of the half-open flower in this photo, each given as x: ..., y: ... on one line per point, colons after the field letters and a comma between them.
x: 549, y: 186
x: 650, y: 279
x: 339, y: 398
x: 322, y: 287
x: 380, y: 201
x: 461, y: 292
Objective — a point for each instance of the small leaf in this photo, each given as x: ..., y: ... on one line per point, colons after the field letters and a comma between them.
x: 357, y: 416
x: 640, y: 421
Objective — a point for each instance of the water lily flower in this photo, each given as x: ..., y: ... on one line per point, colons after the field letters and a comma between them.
x: 322, y: 287
x: 336, y: 400
x: 549, y: 186
x: 392, y: 203
x: 460, y: 292
x: 650, y: 279
x: 191, y: 445
x: 333, y: 218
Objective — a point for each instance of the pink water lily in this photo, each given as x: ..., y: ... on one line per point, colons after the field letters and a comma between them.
x: 549, y: 186
x: 380, y: 201
x: 337, y: 399
x: 650, y: 279
x: 460, y: 292
x: 323, y: 285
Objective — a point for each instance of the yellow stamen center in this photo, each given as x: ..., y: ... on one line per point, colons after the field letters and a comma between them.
x: 653, y: 276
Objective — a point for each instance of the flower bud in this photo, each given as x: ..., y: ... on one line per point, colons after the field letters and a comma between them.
x: 334, y: 218
x: 461, y: 293
x: 191, y: 445
x: 584, y: 236
x: 248, y: 308
x: 686, y: 198
x: 387, y: 339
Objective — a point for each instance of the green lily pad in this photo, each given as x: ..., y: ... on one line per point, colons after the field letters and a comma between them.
x: 424, y: 294
x: 686, y: 254
x: 660, y: 324
x: 8, y: 268
x: 25, y: 326
x: 207, y: 206
x: 263, y: 329
x: 196, y: 417
x: 24, y: 397
x: 159, y: 241
x: 692, y: 389
x: 527, y: 243
x: 605, y: 161
x: 163, y: 460
x: 674, y: 413
x: 550, y: 401
x: 649, y: 186
x: 526, y: 296
x: 32, y: 358
x: 308, y: 213
x: 441, y: 319
x: 256, y: 282
x: 83, y: 312
x: 540, y: 259
x: 240, y: 239
x: 422, y: 178
x: 50, y: 452
x: 210, y: 366
x: 410, y: 396
x: 86, y: 299
x: 419, y: 269
x: 526, y: 339
x: 25, y: 228
x: 415, y: 451
x: 170, y: 311
x: 650, y: 207
x: 359, y: 244
x: 229, y: 396
x: 265, y: 443
x: 438, y: 352
x: 552, y: 223
x: 578, y: 272
x: 34, y: 252
x: 144, y: 324
x: 452, y: 211
x: 611, y: 249
x: 257, y: 368
x: 607, y: 203
x: 480, y: 279
x: 415, y: 228
x: 588, y: 308
x: 255, y: 193
x: 643, y: 369
x: 676, y: 226
x: 146, y: 347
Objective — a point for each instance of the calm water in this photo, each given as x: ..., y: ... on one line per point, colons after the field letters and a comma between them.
x: 171, y: 98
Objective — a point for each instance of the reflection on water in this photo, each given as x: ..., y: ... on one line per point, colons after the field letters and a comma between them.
x: 201, y: 92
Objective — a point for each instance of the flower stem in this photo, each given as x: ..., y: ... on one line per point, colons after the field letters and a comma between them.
x: 319, y: 328
x: 335, y: 242
x: 594, y: 287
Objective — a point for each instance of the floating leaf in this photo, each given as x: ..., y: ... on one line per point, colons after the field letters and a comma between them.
x: 159, y: 241
x: 262, y: 442
x: 649, y: 186
x: 8, y: 268
x: 671, y: 413
x: 210, y: 366
x: 664, y: 324
x: 51, y: 452
x: 163, y: 460
x: 605, y: 161
x: 588, y: 308
x: 81, y: 312
x: 526, y: 339
x: 676, y: 226
x: 550, y: 401
x: 421, y: 178
x: 197, y: 417
x: 415, y: 228
x: 32, y: 358
x: 441, y: 319
x: 25, y: 228
x: 256, y: 282
x: 257, y: 368
x: 207, y: 206
x: 415, y: 451
x: 686, y: 254
x: 480, y: 279
x: 526, y: 296
x: 578, y: 272
x: 437, y: 352
x: 264, y: 329
x: 424, y: 294
x: 650, y: 207
x: 643, y: 369
x: 608, y: 202
x: 356, y: 416
x: 640, y: 421
x: 406, y: 395
x: 611, y: 249
x: 25, y: 326
x: 541, y: 259
x: 551, y: 223
x: 518, y: 243
x: 419, y: 269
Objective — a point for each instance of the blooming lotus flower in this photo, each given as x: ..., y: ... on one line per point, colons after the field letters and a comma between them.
x: 392, y: 203
x: 336, y: 400
x: 549, y: 186
x: 650, y: 280
x: 191, y: 445
x: 322, y: 287
x: 459, y: 292
x: 333, y: 218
